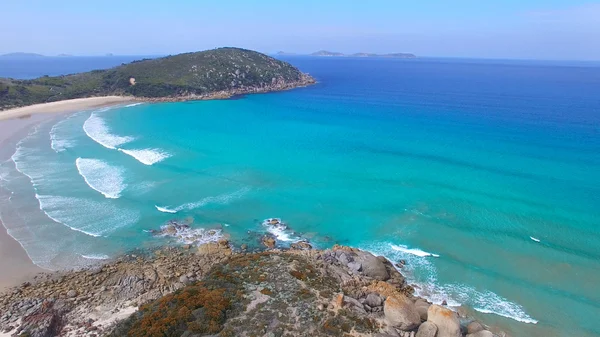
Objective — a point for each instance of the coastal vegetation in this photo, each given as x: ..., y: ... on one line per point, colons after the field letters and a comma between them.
x: 214, y: 73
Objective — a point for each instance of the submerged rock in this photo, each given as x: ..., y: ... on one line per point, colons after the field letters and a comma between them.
x: 268, y: 241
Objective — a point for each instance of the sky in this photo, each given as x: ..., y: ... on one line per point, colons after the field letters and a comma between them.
x: 509, y: 29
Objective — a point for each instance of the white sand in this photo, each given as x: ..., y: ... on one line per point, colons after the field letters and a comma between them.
x: 64, y: 106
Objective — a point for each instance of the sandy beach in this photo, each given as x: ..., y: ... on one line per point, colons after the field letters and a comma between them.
x: 15, y: 265
x: 70, y: 105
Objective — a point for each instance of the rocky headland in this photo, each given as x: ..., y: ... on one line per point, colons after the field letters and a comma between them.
x: 217, y: 289
x: 210, y: 74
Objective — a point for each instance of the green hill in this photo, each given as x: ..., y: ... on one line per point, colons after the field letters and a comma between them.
x: 213, y: 73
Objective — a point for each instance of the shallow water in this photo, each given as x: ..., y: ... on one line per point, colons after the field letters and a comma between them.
x: 483, y: 176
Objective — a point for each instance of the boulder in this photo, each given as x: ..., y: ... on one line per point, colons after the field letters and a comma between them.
x: 355, y: 266
x: 400, y: 312
x: 422, y: 310
x: 268, y: 241
x: 482, y: 333
x: 446, y: 321
x: 71, y: 293
x: 427, y: 329
x: 372, y: 266
x: 373, y: 300
x: 344, y: 258
x: 474, y: 327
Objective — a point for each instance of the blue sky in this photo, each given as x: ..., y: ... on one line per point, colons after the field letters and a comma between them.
x: 527, y: 29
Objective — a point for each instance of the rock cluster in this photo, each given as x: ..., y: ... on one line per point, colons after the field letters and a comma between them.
x: 297, y: 292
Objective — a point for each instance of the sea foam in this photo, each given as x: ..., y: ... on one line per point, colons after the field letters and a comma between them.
x: 101, y: 176
x: 453, y: 294
x: 222, y: 199
x: 61, y: 140
x: 165, y: 210
x: 147, y: 156
x: 95, y: 127
x: 132, y: 105
x: 413, y: 251
x: 95, y: 256
x: 94, y: 218
x: 279, y: 229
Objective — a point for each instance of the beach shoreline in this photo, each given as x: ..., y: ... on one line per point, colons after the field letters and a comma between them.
x: 15, y: 263
x: 65, y: 106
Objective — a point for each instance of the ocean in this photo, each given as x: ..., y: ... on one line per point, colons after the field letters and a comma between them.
x: 484, y: 175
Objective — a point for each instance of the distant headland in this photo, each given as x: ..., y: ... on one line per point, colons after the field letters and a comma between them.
x: 211, y: 74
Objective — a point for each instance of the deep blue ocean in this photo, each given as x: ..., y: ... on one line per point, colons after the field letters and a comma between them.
x: 483, y: 175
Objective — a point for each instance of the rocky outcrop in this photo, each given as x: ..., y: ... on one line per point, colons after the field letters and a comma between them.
x: 269, y: 241
x: 446, y: 321
x: 300, y: 291
x: 219, y: 248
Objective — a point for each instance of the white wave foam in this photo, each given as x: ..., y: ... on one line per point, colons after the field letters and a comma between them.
x: 101, y: 177
x: 196, y: 236
x: 60, y: 143
x: 132, y: 105
x: 517, y: 317
x: 220, y: 199
x: 95, y: 256
x: 96, y: 129
x: 165, y: 210
x: 279, y: 229
x: 534, y: 239
x: 413, y: 251
x: 147, y: 156
x: 94, y: 218
x: 454, y: 294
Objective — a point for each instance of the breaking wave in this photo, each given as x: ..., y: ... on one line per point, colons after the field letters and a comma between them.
x: 86, y: 216
x: 413, y: 251
x: 101, y: 177
x: 165, y: 210
x: 95, y: 127
x: 220, y: 200
x: 454, y: 294
x: 147, y: 156
x: 95, y: 256
x: 279, y: 229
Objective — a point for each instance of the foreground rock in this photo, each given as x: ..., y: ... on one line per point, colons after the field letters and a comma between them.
x: 445, y: 320
x: 214, y: 291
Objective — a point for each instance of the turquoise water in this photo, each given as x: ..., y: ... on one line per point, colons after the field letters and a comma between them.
x: 484, y: 176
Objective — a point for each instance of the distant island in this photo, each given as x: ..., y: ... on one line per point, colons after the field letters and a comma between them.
x: 217, y: 73
x: 21, y: 55
x: 326, y: 53
x: 392, y: 55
